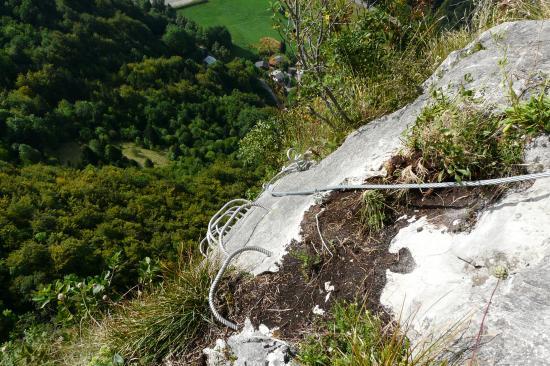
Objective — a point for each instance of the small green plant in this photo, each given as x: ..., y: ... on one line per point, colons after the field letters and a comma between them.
x: 74, y: 299
x: 106, y: 357
x: 148, y: 271
x: 373, y: 211
x: 308, y: 261
x: 501, y: 272
x: 531, y: 117
x: 355, y: 337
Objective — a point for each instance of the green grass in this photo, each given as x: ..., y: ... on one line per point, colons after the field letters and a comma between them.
x: 373, y: 211
x: 163, y: 322
x: 247, y: 20
x: 355, y: 337
x: 460, y: 140
x: 140, y: 155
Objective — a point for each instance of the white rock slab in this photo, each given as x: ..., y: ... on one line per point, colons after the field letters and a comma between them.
x: 250, y: 347
x: 514, y: 233
x: 526, y: 47
x: 443, y: 289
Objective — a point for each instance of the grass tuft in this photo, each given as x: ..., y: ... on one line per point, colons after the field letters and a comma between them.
x: 165, y: 322
x: 531, y: 117
x: 456, y: 140
x: 355, y: 337
x: 373, y: 211
x: 309, y: 262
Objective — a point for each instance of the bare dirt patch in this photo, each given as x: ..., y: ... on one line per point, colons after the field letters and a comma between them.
x: 356, y: 265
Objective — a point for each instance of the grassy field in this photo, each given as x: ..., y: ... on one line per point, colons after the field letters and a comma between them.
x: 247, y: 20
x: 139, y: 154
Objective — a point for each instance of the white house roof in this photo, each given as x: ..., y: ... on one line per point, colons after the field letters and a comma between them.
x: 209, y: 60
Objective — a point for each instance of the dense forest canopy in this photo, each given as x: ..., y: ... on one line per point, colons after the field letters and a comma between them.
x: 118, y: 142
x: 101, y: 72
x: 96, y: 74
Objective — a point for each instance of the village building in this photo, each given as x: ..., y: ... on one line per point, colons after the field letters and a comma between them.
x: 261, y: 64
x: 209, y: 60
x: 277, y: 76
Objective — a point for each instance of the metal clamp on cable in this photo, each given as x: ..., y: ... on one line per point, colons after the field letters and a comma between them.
x: 297, y: 163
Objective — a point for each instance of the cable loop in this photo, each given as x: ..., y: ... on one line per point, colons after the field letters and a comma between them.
x: 227, y: 217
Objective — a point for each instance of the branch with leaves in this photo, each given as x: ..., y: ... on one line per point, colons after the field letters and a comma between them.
x: 307, y: 26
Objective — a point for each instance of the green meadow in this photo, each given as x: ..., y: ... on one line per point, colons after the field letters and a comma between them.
x: 247, y: 20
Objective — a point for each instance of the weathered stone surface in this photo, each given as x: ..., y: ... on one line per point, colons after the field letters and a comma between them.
x: 525, y: 46
x: 513, y: 234
x: 250, y: 347
x: 537, y: 154
x: 443, y: 289
x: 512, y: 55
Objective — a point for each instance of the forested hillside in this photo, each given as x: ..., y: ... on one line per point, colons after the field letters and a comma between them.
x: 118, y: 142
x: 93, y: 75
x: 101, y: 72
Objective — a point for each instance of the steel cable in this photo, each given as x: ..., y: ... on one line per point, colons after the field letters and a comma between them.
x: 218, y: 277
x: 227, y: 217
x: 477, y: 183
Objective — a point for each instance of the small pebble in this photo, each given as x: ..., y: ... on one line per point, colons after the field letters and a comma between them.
x: 318, y: 311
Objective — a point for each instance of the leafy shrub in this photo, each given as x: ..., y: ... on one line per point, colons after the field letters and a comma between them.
x: 74, y: 299
x: 263, y: 144
x: 456, y: 140
x: 28, y: 155
x: 38, y: 345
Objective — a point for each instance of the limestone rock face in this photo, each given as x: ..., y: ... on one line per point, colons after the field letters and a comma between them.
x: 250, y: 347
x: 512, y: 236
x: 512, y: 56
x: 443, y: 291
x: 538, y: 154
